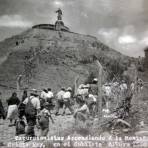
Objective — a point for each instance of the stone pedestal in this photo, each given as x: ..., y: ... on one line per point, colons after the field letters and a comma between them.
x: 59, y: 25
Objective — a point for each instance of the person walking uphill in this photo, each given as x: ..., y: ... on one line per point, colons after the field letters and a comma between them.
x: 67, y: 103
x: 82, y: 113
x: 49, y: 96
x: 59, y: 101
x: 13, y: 103
x: 93, y: 87
x: 21, y: 107
x: 24, y: 96
x: 43, y: 119
x: 31, y: 110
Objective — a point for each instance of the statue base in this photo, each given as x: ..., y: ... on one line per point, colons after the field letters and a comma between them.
x: 59, y: 26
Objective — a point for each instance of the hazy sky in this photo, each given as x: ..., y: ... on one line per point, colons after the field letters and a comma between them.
x: 121, y: 24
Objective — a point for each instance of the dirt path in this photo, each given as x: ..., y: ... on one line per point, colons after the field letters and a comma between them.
x: 7, y: 134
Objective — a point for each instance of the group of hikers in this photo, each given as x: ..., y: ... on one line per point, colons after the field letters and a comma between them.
x: 37, y: 108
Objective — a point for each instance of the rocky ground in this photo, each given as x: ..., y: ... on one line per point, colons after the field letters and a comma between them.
x: 7, y: 134
x: 65, y: 125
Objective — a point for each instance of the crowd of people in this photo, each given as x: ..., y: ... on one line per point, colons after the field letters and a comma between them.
x: 37, y: 107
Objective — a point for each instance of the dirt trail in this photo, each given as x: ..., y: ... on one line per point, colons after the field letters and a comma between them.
x: 61, y: 123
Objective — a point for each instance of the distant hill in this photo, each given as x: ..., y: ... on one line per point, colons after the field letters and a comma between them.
x: 54, y: 58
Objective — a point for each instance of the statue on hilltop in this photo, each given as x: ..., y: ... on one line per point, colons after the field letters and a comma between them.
x: 58, y: 25
x: 59, y: 17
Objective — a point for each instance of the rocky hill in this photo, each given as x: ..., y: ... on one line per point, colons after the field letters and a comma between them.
x: 48, y: 58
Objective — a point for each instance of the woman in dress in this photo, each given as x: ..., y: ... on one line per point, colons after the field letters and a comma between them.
x: 13, y: 103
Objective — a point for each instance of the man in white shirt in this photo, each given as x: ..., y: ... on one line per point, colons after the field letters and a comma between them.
x: 44, y: 94
x: 132, y: 86
x: 123, y: 88
x: 107, y: 94
x: 49, y: 95
x: 83, y: 90
x: 140, y: 85
x: 59, y: 101
x: 31, y: 119
x: 108, y: 91
x: 35, y: 102
x: 66, y: 98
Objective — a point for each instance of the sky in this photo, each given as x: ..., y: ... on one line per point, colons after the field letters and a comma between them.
x: 121, y: 24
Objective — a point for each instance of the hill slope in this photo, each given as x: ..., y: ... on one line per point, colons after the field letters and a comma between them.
x: 51, y: 58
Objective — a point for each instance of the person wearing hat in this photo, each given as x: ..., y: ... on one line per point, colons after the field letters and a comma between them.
x: 32, y: 108
x: 21, y: 107
x: 66, y: 99
x: 49, y: 95
x: 43, y: 119
x: 83, y: 90
x: 59, y: 100
x: 43, y: 97
x: 95, y: 80
x: 82, y: 113
x: 123, y: 88
x: 93, y: 90
x: 43, y: 94
x: 107, y: 95
x: 93, y: 87
x: 91, y: 103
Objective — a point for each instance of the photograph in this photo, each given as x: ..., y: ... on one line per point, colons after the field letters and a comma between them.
x: 73, y: 73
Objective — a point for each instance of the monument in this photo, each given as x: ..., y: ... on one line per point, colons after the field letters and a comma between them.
x: 58, y: 26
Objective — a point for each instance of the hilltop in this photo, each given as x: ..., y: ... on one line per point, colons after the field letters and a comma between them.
x: 56, y: 58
